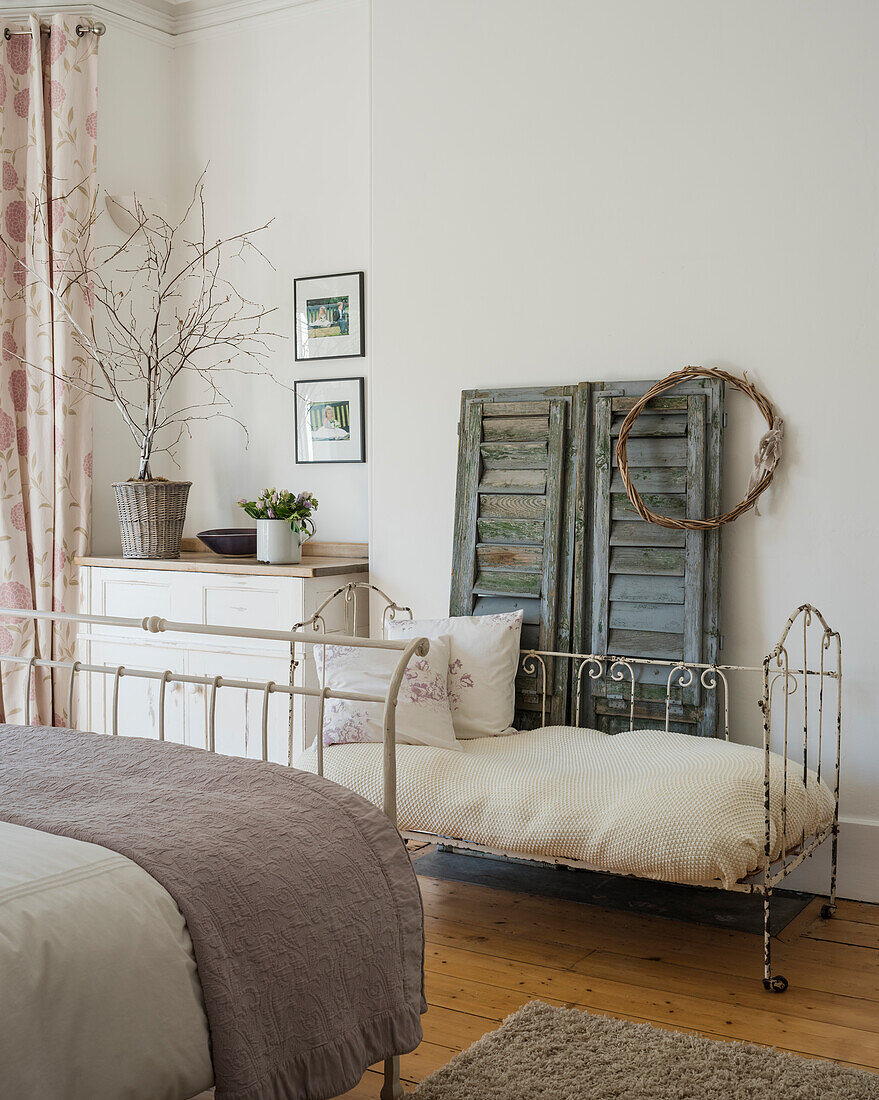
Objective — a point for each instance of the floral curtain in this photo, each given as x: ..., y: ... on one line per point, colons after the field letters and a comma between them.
x: 48, y: 158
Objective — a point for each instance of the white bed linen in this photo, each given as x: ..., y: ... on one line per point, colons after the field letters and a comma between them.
x: 647, y: 803
x: 99, y: 996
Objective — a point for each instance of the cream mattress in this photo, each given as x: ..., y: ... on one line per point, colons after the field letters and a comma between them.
x: 99, y: 995
x: 647, y: 803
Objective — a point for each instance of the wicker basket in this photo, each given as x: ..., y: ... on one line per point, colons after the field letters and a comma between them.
x: 151, y: 515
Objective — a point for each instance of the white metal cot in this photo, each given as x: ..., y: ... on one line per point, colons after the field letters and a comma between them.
x: 816, y: 670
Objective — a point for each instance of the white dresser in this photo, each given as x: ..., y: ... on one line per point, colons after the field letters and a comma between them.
x: 207, y: 589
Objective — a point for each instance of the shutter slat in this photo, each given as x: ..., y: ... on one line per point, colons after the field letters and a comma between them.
x: 646, y: 643
x: 511, y: 530
x: 647, y: 451
x: 516, y: 408
x: 519, y: 506
x: 664, y: 562
x: 667, y: 617
x: 519, y: 481
x: 673, y: 505
x: 509, y: 557
x: 648, y: 480
x: 514, y: 428
x: 491, y: 582
x: 662, y: 404
x: 639, y: 533
x: 631, y: 588
x: 514, y: 456
x: 670, y: 424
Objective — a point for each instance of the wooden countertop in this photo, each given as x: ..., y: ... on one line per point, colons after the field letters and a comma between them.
x: 312, y: 565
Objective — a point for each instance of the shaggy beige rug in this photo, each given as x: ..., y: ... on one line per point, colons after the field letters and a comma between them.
x: 565, y: 1054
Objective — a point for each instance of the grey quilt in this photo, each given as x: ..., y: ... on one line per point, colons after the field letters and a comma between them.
x: 301, y: 901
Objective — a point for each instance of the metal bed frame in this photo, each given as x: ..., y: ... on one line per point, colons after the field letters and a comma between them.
x: 391, y: 1088
x: 776, y: 667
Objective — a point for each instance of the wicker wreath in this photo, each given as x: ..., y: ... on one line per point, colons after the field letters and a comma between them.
x: 766, y: 458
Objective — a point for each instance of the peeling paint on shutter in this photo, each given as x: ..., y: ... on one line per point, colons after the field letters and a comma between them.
x: 543, y: 523
x: 515, y: 522
x: 649, y: 591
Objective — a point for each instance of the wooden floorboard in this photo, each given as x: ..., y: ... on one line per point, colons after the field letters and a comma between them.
x: 490, y: 951
x: 860, y: 911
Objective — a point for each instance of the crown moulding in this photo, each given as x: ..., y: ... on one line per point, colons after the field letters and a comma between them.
x: 167, y: 19
x: 151, y: 17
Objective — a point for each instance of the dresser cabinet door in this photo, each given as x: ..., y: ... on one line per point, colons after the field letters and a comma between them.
x: 138, y: 698
x: 238, y: 713
x: 256, y: 602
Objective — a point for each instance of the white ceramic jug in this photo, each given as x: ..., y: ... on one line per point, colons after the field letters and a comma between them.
x: 277, y: 543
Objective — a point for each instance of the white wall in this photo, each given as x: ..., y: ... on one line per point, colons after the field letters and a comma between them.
x: 593, y: 190
x: 279, y: 106
x: 683, y: 182
x: 136, y: 116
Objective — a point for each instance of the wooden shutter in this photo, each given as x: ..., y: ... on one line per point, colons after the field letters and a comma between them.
x: 650, y: 591
x: 514, y: 524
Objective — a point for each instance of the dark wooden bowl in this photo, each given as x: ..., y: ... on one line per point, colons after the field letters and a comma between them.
x: 231, y: 542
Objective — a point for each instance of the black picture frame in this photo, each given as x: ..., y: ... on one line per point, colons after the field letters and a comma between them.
x: 298, y: 291
x: 361, y: 419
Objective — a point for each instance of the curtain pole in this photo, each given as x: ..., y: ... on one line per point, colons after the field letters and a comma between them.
x: 81, y: 29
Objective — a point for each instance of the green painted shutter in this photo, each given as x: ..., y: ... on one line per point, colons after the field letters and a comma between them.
x: 651, y: 591
x: 515, y: 524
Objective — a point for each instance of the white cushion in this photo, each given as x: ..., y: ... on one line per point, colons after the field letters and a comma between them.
x: 647, y: 803
x: 482, y: 668
x: 423, y: 716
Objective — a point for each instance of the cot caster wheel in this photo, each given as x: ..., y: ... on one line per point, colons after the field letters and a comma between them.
x: 828, y: 911
x: 778, y: 984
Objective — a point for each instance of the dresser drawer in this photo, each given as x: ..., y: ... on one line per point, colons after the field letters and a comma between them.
x: 129, y: 595
x: 262, y: 603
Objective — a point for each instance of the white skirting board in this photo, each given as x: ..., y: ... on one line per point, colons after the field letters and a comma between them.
x: 858, y: 863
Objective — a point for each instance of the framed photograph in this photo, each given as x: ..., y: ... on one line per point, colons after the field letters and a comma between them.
x: 328, y: 314
x: 330, y: 420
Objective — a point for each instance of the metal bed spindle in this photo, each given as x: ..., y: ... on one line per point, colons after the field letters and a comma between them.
x: 27, y: 689
x: 120, y: 672
x: 267, y: 691
x: 163, y: 684
x: 216, y: 684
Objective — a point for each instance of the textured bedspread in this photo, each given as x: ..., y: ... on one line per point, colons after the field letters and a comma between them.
x: 299, y: 897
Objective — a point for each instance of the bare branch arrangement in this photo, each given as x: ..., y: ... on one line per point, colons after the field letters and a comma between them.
x: 162, y: 311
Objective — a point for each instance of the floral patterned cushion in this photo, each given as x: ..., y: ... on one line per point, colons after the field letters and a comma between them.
x: 482, y: 668
x: 423, y: 716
